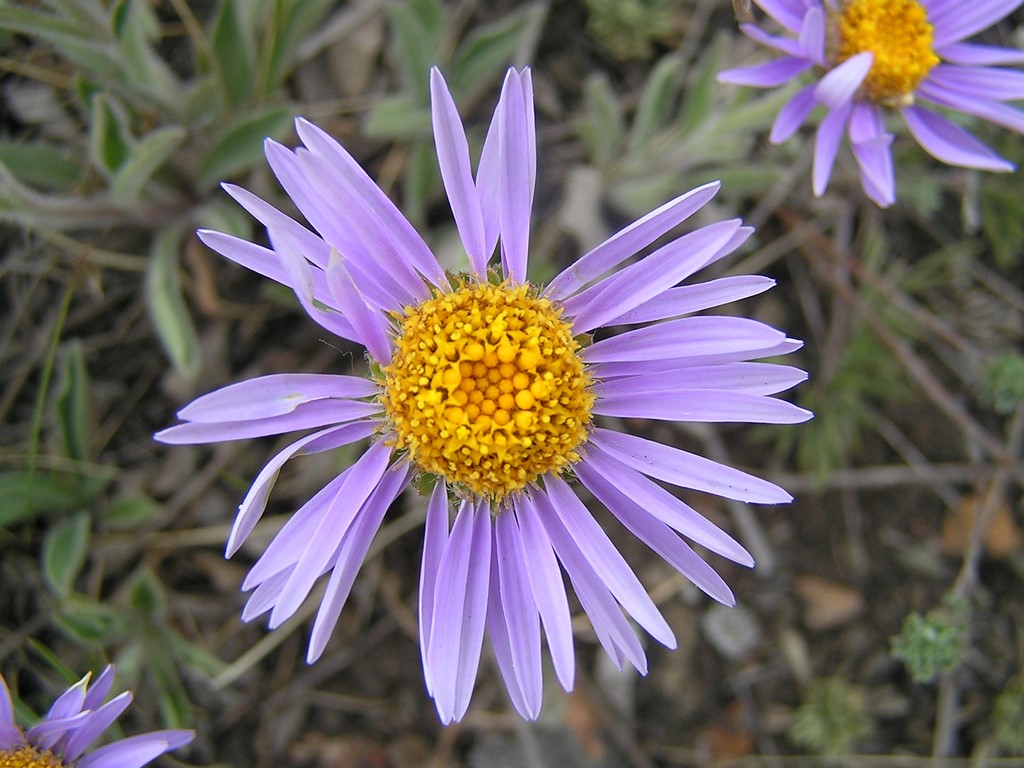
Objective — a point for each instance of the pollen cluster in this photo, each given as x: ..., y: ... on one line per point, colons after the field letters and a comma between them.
x: 899, y: 35
x: 29, y: 757
x: 487, y: 389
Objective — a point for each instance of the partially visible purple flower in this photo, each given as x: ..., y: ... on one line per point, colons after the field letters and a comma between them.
x: 874, y: 56
x: 488, y: 387
x: 76, y: 720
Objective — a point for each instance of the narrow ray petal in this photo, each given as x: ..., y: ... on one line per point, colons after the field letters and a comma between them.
x: 435, y: 537
x: 686, y: 299
x: 518, y: 166
x: 686, y: 337
x: 950, y: 143
x: 706, y: 405
x: 687, y: 470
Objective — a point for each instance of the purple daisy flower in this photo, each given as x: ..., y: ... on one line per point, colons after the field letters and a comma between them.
x: 488, y: 386
x: 872, y: 56
x: 75, y: 720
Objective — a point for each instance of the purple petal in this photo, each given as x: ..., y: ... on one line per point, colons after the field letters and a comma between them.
x: 749, y: 378
x: 488, y: 183
x: 435, y: 537
x: 649, y: 277
x: 261, y: 260
x: 793, y: 114
x: 273, y: 395
x: 70, y: 702
x: 658, y: 536
x: 97, y: 722
x: 366, y: 242
x: 606, y: 560
x: 135, y: 751
x: 629, y: 241
x: 994, y: 112
x: 10, y: 737
x: 687, y: 470
x: 706, y: 405
x: 990, y: 83
x: 874, y: 158
x: 611, y: 627
x: 460, y: 609
x: 812, y: 35
x: 837, y: 87
x: 99, y: 689
x: 519, y: 612
x: 687, y: 299
x: 288, y: 544
x: 366, y: 475
x: 675, y: 365
x: 950, y: 143
x: 319, y: 413
x: 453, y: 157
x: 354, y: 547
x: 391, y: 219
x: 688, y: 336
x: 517, y: 164
x: 958, y: 21
x: 788, y: 13
x: 770, y: 74
x: 311, y: 245
x: 548, y: 591
x: 255, y: 501
x: 369, y: 323
x: 49, y: 731
x: 972, y: 54
x: 301, y: 281
x: 6, y: 705
x: 785, y: 45
x: 500, y: 634
x: 826, y: 144
x: 599, y: 469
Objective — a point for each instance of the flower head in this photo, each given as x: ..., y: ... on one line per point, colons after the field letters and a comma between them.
x: 877, y: 56
x: 490, y: 388
x: 75, y: 720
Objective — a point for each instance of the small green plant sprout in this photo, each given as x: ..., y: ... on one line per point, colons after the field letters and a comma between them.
x: 630, y: 28
x: 832, y: 718
x: 1008, y: 717
x: 1002, y: 385
x: 933, y: 643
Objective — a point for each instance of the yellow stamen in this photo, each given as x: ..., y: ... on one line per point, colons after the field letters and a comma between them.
x: 29, y: 757
x: 899, y: 35
x: 511, y: 350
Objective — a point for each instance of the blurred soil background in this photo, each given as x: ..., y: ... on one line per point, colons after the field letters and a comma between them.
x: 884, y: 622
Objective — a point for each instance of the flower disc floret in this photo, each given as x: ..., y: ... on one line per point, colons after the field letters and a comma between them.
x: 899, y: 35
x: 487, y: 388
x: 29, y: 757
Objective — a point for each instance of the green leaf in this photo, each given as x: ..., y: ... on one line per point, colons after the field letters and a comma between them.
x: 172, y: 699
x: 109, y: 138
x: 64, y: 550
x: 699, y: 94
x: 135, y: 28
x: 146, y: 595
x: 25, y: 495
x: 74, y: 416
x: 288, y: 25
x: 399, y: 117
x: 240, y: 146
x: 130, y: 512
x: 41, y: 165
x: 91, y: 622
x: 414, y: 48
x: 234, y: 52
x: 602, y: 129
x: 144, y: 159
x: 655, y: 103
x: 167, y: 308
x: 71, y: 40
x: 487, y: 51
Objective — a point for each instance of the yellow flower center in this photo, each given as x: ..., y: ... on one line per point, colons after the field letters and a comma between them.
x: 29, y: 757
x: 487, y: 388
x: 897, y: 32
